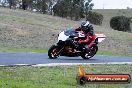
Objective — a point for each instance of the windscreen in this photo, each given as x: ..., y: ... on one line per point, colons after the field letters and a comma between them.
x: 70, y: 32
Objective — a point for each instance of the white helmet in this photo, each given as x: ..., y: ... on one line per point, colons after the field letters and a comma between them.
x: 85, y: 26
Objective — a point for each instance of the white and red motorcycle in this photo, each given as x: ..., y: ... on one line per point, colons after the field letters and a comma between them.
x: 66, y: 46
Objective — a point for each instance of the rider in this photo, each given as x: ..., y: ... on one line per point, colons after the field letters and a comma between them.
x: 87, y: 29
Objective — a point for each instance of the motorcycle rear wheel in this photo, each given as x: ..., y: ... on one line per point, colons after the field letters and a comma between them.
x: 53, y: 52
x: 91, y: 53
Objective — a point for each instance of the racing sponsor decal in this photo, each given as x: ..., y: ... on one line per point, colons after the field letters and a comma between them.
x: 83, y: 77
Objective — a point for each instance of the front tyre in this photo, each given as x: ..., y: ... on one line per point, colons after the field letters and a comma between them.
x: 53, y: 52
x: 93, y: 50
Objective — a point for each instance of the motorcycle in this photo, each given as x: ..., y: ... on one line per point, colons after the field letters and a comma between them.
x: 66, y: 46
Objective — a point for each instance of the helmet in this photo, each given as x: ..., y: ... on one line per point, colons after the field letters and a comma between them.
x: 85, y: 26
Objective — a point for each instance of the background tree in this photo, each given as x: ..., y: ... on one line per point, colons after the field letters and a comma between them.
x: 70, y: 8
x: 88, y: 7
x: 120, y: 23
x: 4, y: 3
x: 43, y: 6
x: 10, y: 3
x: 75, y: 9
x: 50, y: 4
x: 24, y: 4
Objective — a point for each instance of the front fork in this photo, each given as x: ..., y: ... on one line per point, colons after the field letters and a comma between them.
x: 60, y: 51
x: 60, y: 48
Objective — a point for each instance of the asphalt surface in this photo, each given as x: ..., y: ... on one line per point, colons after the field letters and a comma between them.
x: 40, y: 58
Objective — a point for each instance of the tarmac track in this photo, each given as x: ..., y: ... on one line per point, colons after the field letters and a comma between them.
x: 42, y: 58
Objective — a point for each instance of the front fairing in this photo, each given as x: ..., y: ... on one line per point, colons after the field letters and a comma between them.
x: 64, y: 35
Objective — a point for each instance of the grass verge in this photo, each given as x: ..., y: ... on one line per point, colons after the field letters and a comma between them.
x: 36, y: 50
x: 57, y: 77
x: 109, y: 53
x: 41, y: 50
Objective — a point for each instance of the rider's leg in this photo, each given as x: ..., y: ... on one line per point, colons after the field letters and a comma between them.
x: 90, y: 45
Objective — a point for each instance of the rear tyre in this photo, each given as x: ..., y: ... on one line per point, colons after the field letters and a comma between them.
x: 93, y: 50
x: 53, y: 52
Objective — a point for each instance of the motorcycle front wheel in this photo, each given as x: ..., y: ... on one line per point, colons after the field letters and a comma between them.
x: 53, y: 52
x: 91, y: 53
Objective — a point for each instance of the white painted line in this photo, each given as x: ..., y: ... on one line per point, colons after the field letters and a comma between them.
x: 68, y: 64
x: 15, y: 65
x: 22, y: 64
x: 2, y: 65
x: 72, y: 64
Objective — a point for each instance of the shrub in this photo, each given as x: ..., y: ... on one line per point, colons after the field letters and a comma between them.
x: 95, y: 18
x: 120, y: 23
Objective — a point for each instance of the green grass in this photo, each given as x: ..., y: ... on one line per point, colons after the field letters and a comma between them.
x: 57, y: 77
x: 22, y: 20
x: 36, y: 50
x: 110, y: 53
x: 114, y: 12
x: 41, y: 50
